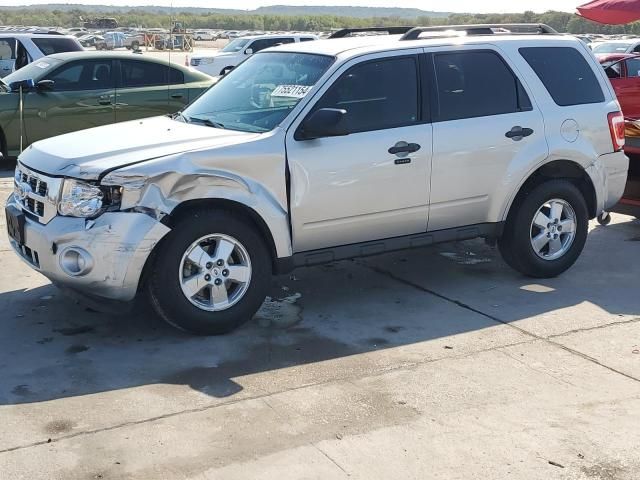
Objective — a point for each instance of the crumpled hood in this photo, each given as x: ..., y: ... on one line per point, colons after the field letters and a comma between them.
x: 89, y: 153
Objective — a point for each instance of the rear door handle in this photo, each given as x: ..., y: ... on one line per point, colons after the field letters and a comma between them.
x: 404, y: 147
x: 517, y: 133
x: 177, y: 95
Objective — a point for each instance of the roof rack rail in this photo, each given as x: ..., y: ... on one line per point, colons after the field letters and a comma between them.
x: 484, y: 29
x: 345, y: 32
x: 32, y: 32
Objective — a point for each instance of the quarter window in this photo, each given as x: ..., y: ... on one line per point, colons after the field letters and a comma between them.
x: 476, y: 84
x: 376, y: 95
x: 565, y: 73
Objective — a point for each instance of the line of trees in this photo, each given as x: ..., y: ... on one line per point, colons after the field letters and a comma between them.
x: 137, y: 17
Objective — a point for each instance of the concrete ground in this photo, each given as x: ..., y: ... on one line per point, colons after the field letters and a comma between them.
x: 435, y: 363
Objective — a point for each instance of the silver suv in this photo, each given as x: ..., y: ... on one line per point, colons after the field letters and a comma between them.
x: 313, y: 152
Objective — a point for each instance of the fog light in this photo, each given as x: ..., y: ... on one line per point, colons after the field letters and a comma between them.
x: 76, y: 262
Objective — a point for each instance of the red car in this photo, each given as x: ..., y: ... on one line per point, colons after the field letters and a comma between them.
x: 624, y: 72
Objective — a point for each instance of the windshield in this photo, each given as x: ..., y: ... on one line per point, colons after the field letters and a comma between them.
x: 260, y: 92
x: 611, y: 47
x: 35, y: 70
x: 236, y: 45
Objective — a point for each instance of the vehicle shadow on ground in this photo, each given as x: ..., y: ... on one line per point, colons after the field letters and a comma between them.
x: 52, y: 347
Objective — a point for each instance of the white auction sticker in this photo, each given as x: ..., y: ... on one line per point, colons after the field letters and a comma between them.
x: 293, y: 91
x: 42, y: 65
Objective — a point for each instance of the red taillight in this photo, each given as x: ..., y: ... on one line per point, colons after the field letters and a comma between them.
x: 616, y: 127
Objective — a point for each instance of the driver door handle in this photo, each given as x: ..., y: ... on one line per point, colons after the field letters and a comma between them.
x: 404, y: 147
x: 104, y: 100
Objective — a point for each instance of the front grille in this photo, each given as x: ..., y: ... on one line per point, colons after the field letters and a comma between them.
x: 37, y: 185
x: 195, y: 62
x: 36, y: 193
x: 34, y: 206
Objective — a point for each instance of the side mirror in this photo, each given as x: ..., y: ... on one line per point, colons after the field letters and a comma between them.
x: 248, y: 51
x: 25, y: 85
x: 326, y: 122
x: 45, y: 85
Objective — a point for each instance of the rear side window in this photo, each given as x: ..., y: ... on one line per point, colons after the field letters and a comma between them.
x: 136, y: 74
x: 476, y: 84
x: 175, y: 76
x: 376, y: 95
x: 565, y: 73
x: 49, y: 46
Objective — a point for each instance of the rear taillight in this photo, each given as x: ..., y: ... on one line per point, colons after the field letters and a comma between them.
x: 616, y: 127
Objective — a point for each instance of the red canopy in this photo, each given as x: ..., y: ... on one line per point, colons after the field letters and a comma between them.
x: 613, y: 12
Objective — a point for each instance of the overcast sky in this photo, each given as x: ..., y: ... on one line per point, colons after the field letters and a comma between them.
x: 475, y: 6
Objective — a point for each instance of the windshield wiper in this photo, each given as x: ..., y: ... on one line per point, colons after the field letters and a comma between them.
x: 208, y: 122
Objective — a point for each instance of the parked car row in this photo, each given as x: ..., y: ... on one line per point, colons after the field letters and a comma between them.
x: 310, y: 152
x: 241, y: 48
x: 67, y: 92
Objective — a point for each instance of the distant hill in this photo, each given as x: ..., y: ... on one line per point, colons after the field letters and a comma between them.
x: 353, y: 12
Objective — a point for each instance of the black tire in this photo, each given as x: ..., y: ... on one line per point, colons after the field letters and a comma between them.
x: 135, y: 45
x: 164, y: 288
x: 515, y: 243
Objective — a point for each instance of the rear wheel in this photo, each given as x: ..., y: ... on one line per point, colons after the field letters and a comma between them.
x: 211, y: 274
x: 546, y: 229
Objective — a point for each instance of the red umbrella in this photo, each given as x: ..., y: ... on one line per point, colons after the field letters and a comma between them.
x: 613, y: 12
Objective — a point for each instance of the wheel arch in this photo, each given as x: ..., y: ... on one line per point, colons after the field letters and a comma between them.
x: 554, y: 169
x: 236, y: 207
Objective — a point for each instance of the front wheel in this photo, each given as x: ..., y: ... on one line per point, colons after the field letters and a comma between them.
x: 211, y: 274
x: 546, y: 229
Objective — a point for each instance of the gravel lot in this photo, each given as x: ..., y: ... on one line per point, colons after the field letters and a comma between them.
x: 434, y: 363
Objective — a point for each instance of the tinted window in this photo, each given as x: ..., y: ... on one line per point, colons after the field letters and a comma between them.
x: 143, y: 74
x: 268, y: 42
x: 306, y: 39
x: 49, y: 46
x: 476, y: 84
x: 89, y: 75
x: 565, y: 73
x: 175, y: 76
x: 376, y: 95
x: 613, y: 69
x: 633, y: 67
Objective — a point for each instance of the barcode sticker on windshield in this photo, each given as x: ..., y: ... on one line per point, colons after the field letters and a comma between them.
x: 293, y: 91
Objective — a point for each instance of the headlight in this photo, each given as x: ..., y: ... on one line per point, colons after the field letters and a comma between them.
x: 80, y: 199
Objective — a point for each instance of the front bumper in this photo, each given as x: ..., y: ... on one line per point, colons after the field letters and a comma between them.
x: 118, y: 243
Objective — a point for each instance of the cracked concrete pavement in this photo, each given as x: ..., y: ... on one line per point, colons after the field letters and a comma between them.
x: 433, y: 363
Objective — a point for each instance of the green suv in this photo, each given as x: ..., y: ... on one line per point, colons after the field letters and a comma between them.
x: 78, y: 90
